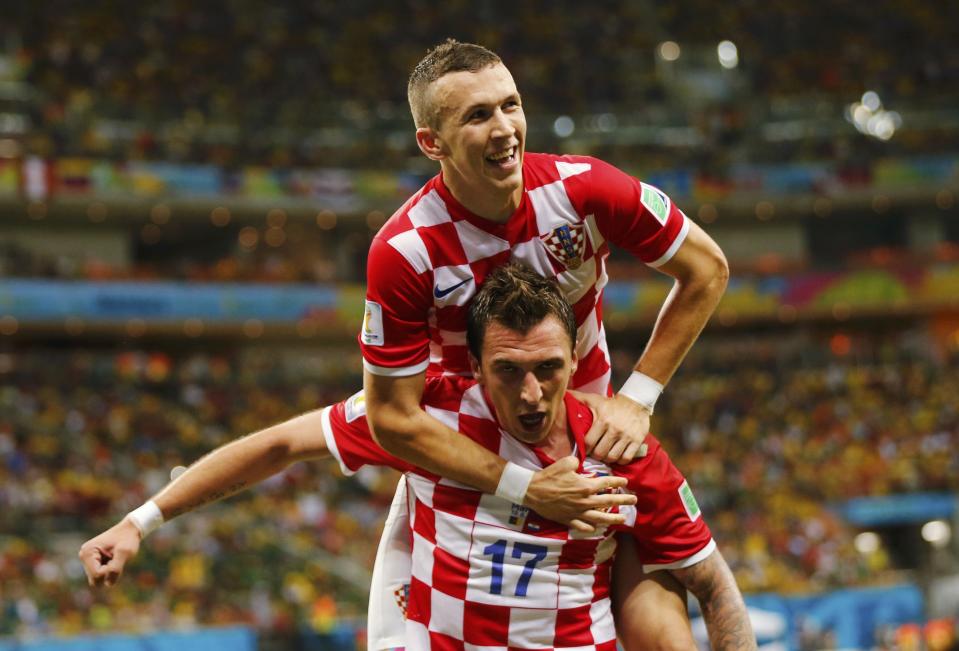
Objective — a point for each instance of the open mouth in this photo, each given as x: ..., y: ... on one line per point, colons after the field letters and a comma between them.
x: 532, y: 422
x: 504, y: 159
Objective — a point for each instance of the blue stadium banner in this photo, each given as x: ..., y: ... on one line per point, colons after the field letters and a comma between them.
x: 912, y: 508
x: 235, y: 638
x: 844, y: 619
x: 52, y: 301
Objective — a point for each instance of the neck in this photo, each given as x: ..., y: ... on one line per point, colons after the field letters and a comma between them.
x: 493, y: 206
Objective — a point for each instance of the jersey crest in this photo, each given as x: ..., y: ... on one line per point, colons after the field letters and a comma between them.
x: 567, y: 244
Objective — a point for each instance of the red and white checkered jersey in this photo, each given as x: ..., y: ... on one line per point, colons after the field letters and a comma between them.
x: 429, y: 259
x: 490, y: 574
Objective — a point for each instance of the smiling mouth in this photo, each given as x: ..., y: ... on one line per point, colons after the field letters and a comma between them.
x: 504, y: 158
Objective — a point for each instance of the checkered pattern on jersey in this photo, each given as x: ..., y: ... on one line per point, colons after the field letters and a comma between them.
x: 490, y: 574
x: 457, y: 597
x: 445, y: 253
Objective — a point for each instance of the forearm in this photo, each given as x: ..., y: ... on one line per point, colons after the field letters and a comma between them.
x: 685, y: 312
x: 722, y: 605
x: 227, y: 470
x: 422, y: 440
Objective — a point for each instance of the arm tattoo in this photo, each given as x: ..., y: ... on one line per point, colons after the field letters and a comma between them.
x: 721, y: 602
x: 212, y: 496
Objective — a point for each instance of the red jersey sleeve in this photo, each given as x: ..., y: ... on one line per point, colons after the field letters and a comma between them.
x: 629, y: 213
x: 395, y: 338
x: 669, y: 530
x: 350, y: 441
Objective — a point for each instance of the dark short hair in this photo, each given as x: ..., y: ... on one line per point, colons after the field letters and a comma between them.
x: 517, y: 297
x: 449, y: 56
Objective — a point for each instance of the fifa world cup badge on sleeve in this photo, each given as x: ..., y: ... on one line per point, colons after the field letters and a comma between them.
x: 373, y: 324
x: 689, y: 501
x: 655, y: 202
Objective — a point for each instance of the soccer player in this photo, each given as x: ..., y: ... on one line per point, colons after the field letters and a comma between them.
x: 491, y: 203
x: 486, y: 571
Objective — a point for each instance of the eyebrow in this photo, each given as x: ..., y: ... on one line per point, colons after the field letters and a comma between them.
x: 509, y: 362
x: 469, y: 110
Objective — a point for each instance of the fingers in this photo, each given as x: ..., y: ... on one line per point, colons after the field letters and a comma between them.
x: 616, y: 452
x: 103, y: 565
x: 566, y: 464
x: 580, y: 525
x: 633, y: 450
x: 594, y: 435
x: 609, y: 482
x: 599, y: 518
x: 94, y: 560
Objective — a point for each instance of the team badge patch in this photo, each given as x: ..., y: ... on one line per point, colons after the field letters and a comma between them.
x: 655, y: 202
x: 517, y: 515
x: 567, y: 244
x: 689, y: 501
x: 372, y: 332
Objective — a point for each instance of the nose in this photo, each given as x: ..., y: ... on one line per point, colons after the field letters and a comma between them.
x: 532, y: 392
x: 502, y: 125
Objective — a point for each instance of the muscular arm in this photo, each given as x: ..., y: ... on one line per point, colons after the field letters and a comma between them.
x: 727, y: 619
x: 700, y: 272
x: 403, y: 428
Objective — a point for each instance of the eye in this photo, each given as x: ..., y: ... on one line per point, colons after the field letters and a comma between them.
x: 479, y: 114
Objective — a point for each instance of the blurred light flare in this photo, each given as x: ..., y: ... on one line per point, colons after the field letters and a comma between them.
x: 867, y: 542
x: 937, y: 533
x: 669, y: 50
x: 870, y: 118
x: 728, y: 54
x: 564, y: 126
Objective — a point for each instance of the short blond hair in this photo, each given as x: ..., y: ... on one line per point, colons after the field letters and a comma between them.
x: 449, y: 56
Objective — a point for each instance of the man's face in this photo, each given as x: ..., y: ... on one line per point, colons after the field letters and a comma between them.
x: 482, y: 130
x: 526, y: 375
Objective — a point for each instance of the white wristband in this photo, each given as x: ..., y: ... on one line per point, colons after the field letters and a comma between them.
x: 146, y: 518
x: 642, y: 389
x: 513, y: 482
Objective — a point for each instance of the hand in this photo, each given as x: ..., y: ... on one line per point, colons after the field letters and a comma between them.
x: 618, y: 430
x: 559, y: 493
x: 105, y: 555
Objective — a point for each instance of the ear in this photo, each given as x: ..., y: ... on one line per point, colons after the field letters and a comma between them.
x: 574, y: 363
x: 476, y: 368
x: 429, y: 143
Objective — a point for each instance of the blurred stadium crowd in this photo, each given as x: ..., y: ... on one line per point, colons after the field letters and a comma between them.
x: 234, y: 82
x: 771, y: 430
x: 768, y: 440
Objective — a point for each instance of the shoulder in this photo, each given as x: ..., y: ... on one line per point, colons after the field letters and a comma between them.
x: 404, y: 218
x: 399, y: 234
x: 543, y: 169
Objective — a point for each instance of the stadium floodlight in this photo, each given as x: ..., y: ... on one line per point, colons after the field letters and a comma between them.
x: 669, y: 50
x: 867, y: 542
x: 937, y: 533
x: 728, y: 54
x: 564, y: 126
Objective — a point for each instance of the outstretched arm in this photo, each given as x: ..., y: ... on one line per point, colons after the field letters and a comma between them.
x: 724, y: 610
x: 227, y: 470
x: 557, y: 492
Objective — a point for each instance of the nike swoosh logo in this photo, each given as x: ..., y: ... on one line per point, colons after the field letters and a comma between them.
x: 440, y: 293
